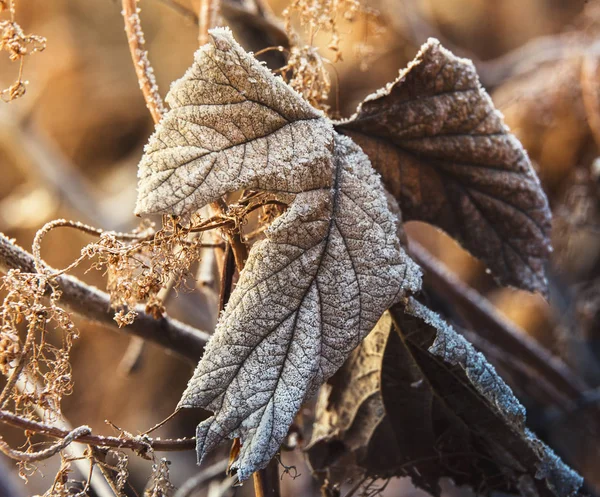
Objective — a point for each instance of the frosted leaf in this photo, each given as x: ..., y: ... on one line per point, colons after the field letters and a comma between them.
x: 330, y: 265
x: 446, y: 155
x: 310, y: 292
x: 232, y: 125
x: 416, y: 399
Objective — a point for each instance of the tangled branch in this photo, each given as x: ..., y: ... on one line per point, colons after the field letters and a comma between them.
x: 142, y: 444
x: 94, y: 305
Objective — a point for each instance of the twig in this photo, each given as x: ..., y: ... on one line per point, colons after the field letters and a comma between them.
x: 234, y: 237
x: 94, y: 305
x: 140, y: 444
x: 19, y: 455
x: 143, y: 69
x: 196, y: 482
x: 266, y: 481
x: 40, y: 265
x: 226, y: 277
x: 207, y: 19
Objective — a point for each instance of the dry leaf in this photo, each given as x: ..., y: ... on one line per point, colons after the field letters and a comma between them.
x: 308, y: 295
x: 327, y: 270
x: 446, y: 155
x: 423, y: 403
x: 232, y: 125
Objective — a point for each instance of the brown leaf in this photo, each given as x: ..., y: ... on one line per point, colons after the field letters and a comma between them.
x: 421, y: 402
x: 444, y: 152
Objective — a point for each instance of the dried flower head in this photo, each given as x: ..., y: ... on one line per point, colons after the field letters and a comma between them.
x: 308, y: 75
x: 137, y: 270
x: 18, y: 45
x: 305, y: 70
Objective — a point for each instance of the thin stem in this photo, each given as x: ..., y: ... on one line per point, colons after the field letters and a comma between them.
x: 19, y: 455
x: 41, y: 266
x: 266, y: 481
x: 143, y: 69
x: 140, y: 444
x: 207, y: 19
x: 226, y: 277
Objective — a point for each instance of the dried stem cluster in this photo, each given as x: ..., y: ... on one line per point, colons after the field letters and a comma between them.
x: 18, y: 45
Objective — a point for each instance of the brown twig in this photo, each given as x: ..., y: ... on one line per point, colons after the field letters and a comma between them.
x: 140, y: 444
x: 94, y: 305
x: 143, y: 69
x: 54, y: 449
x: 226, y: 277
x: 207, y: 19
x: 234, y: 237
x: 266, y: 481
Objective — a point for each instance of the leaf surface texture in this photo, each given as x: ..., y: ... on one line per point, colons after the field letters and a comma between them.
x: 416, y: 399
x: 445, y: 154
x: 330, y: 265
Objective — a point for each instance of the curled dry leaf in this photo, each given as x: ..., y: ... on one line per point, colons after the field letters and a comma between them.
x: 327, y: 270
x: 444, y: 152
x: 415, y: 399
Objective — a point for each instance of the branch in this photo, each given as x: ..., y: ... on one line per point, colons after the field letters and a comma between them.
x: 266, y: 481
x: 94, y: 305
x: 207, y: 19
x: 19, y: 455
x: 84, y: 435
x: 143, y: 69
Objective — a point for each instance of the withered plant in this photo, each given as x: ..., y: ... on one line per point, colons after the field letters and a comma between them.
x: 321, y: 292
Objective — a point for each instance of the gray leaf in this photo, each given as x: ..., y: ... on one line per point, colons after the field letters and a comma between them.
x: 327, y: 270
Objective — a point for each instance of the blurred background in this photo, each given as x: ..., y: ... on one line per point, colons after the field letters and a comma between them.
x: 69, y: 148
